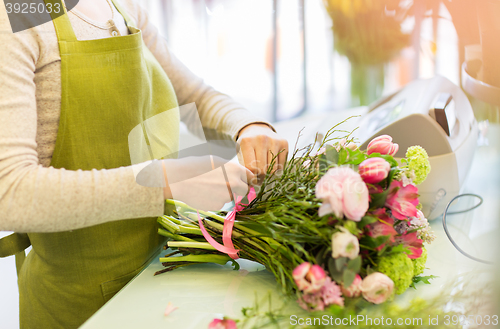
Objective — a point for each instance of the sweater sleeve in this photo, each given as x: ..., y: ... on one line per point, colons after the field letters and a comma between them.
x: 34, y: 198
x: 217, y: 111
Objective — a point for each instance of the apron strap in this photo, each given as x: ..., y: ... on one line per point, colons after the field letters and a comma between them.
x: 130, y: 22
x: 63, y: 27
x: 15, y: 244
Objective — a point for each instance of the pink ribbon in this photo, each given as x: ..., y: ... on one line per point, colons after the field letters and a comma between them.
x: 228, y: 247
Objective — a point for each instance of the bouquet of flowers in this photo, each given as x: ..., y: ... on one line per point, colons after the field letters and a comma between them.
x: 337, y: 224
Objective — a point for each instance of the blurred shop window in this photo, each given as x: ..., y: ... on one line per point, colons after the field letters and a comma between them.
x: 277, y: 57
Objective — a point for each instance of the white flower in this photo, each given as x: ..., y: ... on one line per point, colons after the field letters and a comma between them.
x: 345, y: 244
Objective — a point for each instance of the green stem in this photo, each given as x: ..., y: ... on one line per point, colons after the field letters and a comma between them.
x: 170, y: 226
x: 189, y: 244
x: 190, y: 230
x: 174, y: 236
x: 217, y: 259
x: 187, y: 207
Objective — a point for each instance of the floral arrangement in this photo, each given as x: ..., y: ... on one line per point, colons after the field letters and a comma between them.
x: 336, y: 226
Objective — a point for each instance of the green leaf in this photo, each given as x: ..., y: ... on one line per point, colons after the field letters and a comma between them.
x: 424, y: 279
x: 369, y: 270
x: 351, y: 227
x: 235, y: 265
x: 374, y: 242
x: 366, y: 220
x: 354, y: 264
x: 332, y: 156
x: 378, y: 199
x: 390, y: 177
x: 320, y: 256
x: 355, y: 157
x: 386, y: 157
x: 340, y: 262
x: 399, y: 248
x: 336, y: 275
x: 348, y: 277
x: 380, y: 240
x: 342, y: 156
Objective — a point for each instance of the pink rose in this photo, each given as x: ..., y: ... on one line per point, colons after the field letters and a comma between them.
x: 374, y: 170
x: 377, y: 288
x: 309, y: 278
x: 383, y: 145
x: 345, y: 244
x: 343, y: 193
x: 222, y: 324
x: 354, y: 290
x: 402, y: 200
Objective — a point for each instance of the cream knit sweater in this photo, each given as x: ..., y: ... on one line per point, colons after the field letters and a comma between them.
x: 37, y: 198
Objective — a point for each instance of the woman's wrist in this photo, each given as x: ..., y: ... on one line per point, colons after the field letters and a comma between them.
x: 263, y: 124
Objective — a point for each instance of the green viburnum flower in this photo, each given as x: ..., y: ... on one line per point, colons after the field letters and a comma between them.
x: 418, y: 161
x: 419, y: 263
x: 399, y: 268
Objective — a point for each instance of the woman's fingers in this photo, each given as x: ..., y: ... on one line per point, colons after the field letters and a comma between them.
x: 274, y: 149
x: 259, y: 144
x: 261, y: 156
x: 238, y: 177
x: 246, y: 156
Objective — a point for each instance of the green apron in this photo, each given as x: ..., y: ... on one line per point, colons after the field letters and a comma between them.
x: 109, y: 86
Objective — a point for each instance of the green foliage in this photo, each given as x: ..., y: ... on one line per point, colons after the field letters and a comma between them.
x: 424, y: 279
x: 399, y: 268
x: 387, y: 157
x: 378, y: 199
x: 366, y: 220
x: 419, y: 263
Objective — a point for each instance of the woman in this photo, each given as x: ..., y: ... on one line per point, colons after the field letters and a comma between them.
x: 72, y: 90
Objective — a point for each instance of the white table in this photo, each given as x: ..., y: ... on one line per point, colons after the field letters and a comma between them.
x: 203, y: 292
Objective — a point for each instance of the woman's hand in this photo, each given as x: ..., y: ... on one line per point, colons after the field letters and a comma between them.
x: 206, y: 182
x: 258, y: 144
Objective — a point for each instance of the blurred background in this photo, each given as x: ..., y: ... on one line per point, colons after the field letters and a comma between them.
x: 282, y: 59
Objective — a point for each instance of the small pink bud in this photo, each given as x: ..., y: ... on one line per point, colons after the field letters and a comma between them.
x: 374, y: 170
x: 352, y: 146
x: 222, y: 324
x: 383, y: 145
